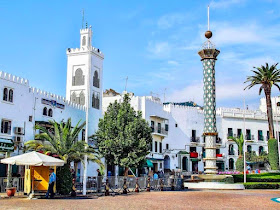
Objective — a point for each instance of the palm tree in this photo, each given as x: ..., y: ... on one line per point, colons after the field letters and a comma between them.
x: 62, y: 140
x: 240, y: 142
x: 266, y: 76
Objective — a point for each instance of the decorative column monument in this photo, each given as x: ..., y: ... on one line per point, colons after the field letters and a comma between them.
x: 208, y: 56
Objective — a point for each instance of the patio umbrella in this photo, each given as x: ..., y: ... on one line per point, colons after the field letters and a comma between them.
x: 33, y: 159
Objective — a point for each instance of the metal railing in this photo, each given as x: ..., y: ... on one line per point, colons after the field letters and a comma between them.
x: 17, y: 182
x: 195, y: 139
x: 160, y: 130
x: 116, y: 183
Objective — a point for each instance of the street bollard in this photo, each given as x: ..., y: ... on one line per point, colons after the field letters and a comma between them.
x: 136, y: 186
x: 124, y: 186
x: 107, y: 187
x: 148, y: 185
x: 161, y: 184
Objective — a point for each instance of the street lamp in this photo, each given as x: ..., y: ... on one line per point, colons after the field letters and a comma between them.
x: 277, y: 129
x: 244, y: 143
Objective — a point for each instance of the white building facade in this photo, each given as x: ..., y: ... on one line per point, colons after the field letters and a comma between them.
x: 178, y: 141
x: 22, y: 106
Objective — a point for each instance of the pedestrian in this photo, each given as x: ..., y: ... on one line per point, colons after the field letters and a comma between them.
x: 99, y: 180
x: 52, y: 180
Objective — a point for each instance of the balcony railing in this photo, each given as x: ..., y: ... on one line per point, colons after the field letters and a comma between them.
x: 250, y: 137
x: 231, y: 135
x: 159, y: 130
x: 218, y: 140
x: 195, y: 139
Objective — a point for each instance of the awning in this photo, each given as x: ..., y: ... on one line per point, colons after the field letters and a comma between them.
x: 6, y: 145
x: 182, y: 152
x: 33, y: 159
x: 149, y: 164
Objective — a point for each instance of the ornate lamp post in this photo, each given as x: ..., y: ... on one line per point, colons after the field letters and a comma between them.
x: 208, y: 57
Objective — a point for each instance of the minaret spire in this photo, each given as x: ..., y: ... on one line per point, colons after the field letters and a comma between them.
x: 208, y: 19
x: 83, y: 18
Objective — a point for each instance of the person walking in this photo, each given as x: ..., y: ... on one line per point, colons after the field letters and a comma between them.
x: 99, y: 180
x: 52, y: 180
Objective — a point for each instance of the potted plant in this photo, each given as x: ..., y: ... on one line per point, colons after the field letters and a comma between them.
x: 10, y: 190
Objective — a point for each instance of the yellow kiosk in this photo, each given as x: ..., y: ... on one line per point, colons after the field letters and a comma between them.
x: 37, y: 167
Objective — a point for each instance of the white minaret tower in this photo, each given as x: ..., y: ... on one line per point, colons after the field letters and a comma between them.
x: 84, y: 86
x: 85, y: 76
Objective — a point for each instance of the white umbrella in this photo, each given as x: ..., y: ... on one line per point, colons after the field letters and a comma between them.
x: 33, y: 159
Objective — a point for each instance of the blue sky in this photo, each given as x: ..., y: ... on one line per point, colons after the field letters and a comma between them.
x: 154, y: 43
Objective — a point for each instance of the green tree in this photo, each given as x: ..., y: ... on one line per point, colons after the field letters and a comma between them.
x: 123, y: 136
x: 240, y: 143
x: 62, y: 140
x: 273, y: 154
x: 266, y: 76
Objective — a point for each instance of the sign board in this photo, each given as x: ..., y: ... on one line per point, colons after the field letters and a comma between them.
x: 52, y: 103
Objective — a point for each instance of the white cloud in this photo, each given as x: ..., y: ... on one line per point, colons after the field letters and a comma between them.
x: 225, y: 92
x: 224, y: 3
x: 172, y: 62
x: 169, y: 20
x: 159, y: 49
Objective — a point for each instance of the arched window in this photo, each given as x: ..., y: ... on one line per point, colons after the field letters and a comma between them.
x: 11, y: 95
x: 96, y: 80
x: 5, y: 94
x: 84, y: 41
x: 249, y: 148
x: 231, y: 149
x: 231, y: 164
x: 73, y: 97
x: 79, y: 78
x: 260, y: 150
x: 50, y: 113
x: 82, y: 98
x: 95, y: 100
x: 45, y: 110
x: 166, y: 162
x: 278, y: 103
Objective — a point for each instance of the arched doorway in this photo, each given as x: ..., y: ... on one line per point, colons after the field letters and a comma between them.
x: 166, y: 162
x: 185, y: 164
x: 231, y: 164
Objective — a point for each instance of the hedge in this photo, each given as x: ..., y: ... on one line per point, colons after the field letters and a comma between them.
x: 261, y: 185
x: 273, y: 154
x: 263, y: 177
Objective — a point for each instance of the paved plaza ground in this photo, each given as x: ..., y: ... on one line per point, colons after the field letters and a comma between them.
x: 246, y: 199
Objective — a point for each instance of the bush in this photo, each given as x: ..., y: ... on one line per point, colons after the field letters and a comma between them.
x: 240, y: 164
x: 273, y: 154
x: 261, y: 185
x: 64, y: 180
x: 264, y: 177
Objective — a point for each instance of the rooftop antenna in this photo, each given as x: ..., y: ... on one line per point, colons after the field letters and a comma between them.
x: 83, y: 17
x: 126, y: 83
x: 208, y: 15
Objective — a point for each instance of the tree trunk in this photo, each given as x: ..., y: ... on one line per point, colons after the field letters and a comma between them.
x: 267, y: 91
x: 126, y: 171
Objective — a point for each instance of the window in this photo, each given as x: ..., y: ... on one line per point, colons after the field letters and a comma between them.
x: 159, y: 127
x: 153, y: 126
x: 231, y: 164
x: 50, y: 113
x: 95, y: 100
x: 239, y: 132
x: 192, y: 149
x: 248, y: 134
x: 79, y: 78
x: 96, y: 80
x: 167, y: 146
x: 5, y: 94
x: 176, y: 125
x: 6, y: 126
x: 30, y: 119
x: 45, y: 111
x: 83, y: 134
x: 231, y: 149
x: 194, y: 133
x: 82, y: 98
x: 260, y: 150
x: 8, y: 95
x: 166, y: 127
x: 230, y: 133
x: 249, y: 148
x: 260, y: 135
x: 160, y: 147
x: 267, y: 135
x: 11, y: 95
x: 155, y: 146
x: 84, y: 41
x: 278, y: 103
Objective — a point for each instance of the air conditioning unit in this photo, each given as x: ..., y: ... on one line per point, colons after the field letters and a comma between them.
x: 19, y: 130
x: 18, y: 139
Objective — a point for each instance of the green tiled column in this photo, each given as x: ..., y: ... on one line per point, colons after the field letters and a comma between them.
x: 208, y: 58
